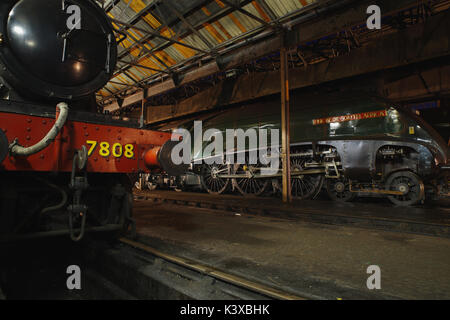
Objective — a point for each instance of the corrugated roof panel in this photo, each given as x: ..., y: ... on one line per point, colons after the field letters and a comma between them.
x: 282, y: 8
x: 137, y: 73
x: 175, y: 54
x: 247, y: 22
x: 148, y: 62
x: 261, y: 11
x: 230, y: 26
x: 209, y: 36
x: 224, y: 34
x: 122, y: 11
x: 112, y: 87
x: 182, y: 6
x: 197, y: 17
x: 213, y: 7
x: 252, y: 9
x: 214, y: 29
x: 121, y: 49
x: 142, y: 24
x: 194, y: 41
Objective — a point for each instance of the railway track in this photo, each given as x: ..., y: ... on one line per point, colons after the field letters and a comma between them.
x: 147, y: 270
x: 129, y: 270
x: 417, y: 220
x: 220, y: 281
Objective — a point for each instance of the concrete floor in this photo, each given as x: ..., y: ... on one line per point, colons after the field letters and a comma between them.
x: 315, y: 260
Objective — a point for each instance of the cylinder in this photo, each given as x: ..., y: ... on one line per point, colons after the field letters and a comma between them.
x: 151, y: 157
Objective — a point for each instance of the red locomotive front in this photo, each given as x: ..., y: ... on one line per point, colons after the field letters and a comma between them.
x: 63, y: 171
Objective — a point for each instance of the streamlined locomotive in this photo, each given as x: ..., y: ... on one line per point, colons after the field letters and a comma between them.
x: 62, y: 171
x: 348, y: 144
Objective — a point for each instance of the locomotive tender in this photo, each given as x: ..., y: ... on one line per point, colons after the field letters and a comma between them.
x: 348, y: 144
x: 62, y: 171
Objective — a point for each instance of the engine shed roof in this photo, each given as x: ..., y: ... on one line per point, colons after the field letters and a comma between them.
x: 159, y: 38
x: 173, y: 50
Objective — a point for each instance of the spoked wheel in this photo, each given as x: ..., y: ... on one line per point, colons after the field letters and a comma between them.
x: 249, y: 185
x: 410, y: 184
x: 143, y: 183
x: 138, y: 185
x: 151, y: 186
x: 136, y: 180
x: 339, y: 190
x: 211, y: 180
x: 305, y: 186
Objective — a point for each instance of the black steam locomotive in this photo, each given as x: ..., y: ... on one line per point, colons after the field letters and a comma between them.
x: 348, y: 144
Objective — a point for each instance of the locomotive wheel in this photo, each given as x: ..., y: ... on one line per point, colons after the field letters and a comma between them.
x: 138, y: 185
x: 409, y: 183
x: 304, y: 186
x: 151, y: 186
x: 339, y: 190
x: 210, y: 178
x: 249, y: 186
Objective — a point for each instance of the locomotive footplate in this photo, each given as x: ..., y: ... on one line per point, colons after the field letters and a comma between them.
x: 376, y: 190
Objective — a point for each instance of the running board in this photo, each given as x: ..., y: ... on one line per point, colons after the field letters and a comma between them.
x: 260, y: 176
x: 377, y: 191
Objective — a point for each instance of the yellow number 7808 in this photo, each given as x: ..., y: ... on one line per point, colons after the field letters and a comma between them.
x: 117, y: 149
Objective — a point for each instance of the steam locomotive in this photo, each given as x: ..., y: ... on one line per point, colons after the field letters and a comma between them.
x: 349, y: 144
x: 63, y: 171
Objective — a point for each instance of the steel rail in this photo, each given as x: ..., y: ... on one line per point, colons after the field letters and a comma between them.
x: 215, y: 273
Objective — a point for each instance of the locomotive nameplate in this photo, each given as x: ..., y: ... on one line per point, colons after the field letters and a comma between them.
x: 352, y: 117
